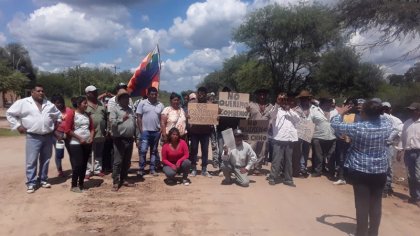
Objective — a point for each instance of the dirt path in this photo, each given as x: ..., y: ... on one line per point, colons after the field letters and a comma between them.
x: 315, y: 207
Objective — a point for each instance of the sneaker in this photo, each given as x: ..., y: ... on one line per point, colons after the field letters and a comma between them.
x: 194, y: 173
x: 76, y: 190
x: 185, y: 182
x: 30, y: 189
x: 204, y: 173
x: 154, y: 173
x: 271, y: 181
x: 340, y: 182
x: 140, y: 173
x: 45, y: 185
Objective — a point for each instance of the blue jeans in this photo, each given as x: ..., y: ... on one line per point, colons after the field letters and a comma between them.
x: 412, y: 162
x: 38, y: 147
x: 390, y: 155
x: 149, y: 139
x: 305, y: 155
x: 203, y: 139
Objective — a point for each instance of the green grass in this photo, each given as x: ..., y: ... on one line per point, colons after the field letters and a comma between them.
x: 8, y: 133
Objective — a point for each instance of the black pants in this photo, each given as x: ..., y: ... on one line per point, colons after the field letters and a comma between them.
x: 368, y: 201
x: 341, y: 149
x: 79, y: 156
x: 123, y: 150
x: 322, y: 151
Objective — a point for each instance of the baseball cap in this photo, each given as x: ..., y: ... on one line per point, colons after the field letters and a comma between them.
x: 414, y: 106
x: 192, y: 96
x: 90, y: 88
x: 237, y: 132
x: 386, y: 104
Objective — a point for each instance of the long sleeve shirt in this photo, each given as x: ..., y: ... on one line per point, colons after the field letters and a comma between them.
x: 284, y: 126
x: 368, y: 147
x: 242, y: 156
x: 397, y: 126
x: 410, y: 136
x: 119, y: 127
x: 25, y: 112
x: 323, y: 129
x: 174, y: 157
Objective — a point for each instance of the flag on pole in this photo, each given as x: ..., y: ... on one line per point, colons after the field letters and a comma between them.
x: 146, y: 75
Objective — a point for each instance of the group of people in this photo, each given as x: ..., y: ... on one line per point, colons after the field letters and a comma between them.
x: 355, y: 142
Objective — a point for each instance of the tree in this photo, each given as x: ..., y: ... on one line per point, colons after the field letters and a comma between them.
x: 341, y: 74
x: 413, y: 73
x: 11, y: 80
x: 289, y: 40
x: 393, y: 18
x: 396, y: 80
x: 18, y: 58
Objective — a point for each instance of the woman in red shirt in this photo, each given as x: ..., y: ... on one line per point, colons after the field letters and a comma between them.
x: 175, y: 157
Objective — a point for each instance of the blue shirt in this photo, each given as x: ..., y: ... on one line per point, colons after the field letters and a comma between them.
x: 368, y: 147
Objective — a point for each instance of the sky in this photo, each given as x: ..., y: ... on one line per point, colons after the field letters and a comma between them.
x: 194, y: 37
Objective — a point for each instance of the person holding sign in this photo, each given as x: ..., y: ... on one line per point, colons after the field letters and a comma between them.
x: 260, y: 110
x: 200, y: 134
x: 284, y: 133
x: 238, y: 161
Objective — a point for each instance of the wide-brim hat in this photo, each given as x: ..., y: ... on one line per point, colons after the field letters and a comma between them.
x: 122, y: 92
x: 304, y: 94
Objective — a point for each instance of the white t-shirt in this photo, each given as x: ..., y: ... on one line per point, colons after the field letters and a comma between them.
x: 81, y: 127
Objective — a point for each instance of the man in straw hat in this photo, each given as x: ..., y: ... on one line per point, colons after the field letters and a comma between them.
x: 123, y: 127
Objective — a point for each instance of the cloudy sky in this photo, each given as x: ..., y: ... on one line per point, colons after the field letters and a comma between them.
x: 194, y: 36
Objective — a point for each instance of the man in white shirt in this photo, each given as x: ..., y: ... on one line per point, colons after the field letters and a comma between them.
x: 284, y: 134
x: 410, y: 143
x: 238, y: 161
x: 392, y: 141
x: 36, y: 117
x: 323, y: 141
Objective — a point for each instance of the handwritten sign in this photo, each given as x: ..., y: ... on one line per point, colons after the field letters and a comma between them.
x: 233, y: 104
x: 203, y: 113
x: 254, y: 130
x: 305, y: 129
x: 228, y: 138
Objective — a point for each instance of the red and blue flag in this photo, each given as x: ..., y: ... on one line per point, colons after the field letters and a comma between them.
x: 146, y: 75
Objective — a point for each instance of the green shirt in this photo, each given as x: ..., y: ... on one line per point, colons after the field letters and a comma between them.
x: 98, y: 115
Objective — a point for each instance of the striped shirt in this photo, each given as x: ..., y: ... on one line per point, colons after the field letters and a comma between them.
x: 368, y: 148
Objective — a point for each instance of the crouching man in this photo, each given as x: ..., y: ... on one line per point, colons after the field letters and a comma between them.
x: 238, y: 161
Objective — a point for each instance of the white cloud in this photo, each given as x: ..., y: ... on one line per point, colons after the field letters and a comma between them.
x: 209, y: 24
x: 189, y: 71
x: 143, y: 41
x: 390, y: 57
x: 145, y: 18
x: 3, y: 39
x: 60, y: 35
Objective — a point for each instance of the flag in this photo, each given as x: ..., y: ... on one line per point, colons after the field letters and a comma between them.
x: 146, y: 75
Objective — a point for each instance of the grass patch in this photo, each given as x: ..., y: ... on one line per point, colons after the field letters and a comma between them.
x: 8, y: 133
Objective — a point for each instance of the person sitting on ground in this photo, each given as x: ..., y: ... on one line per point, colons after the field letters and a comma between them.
x: 238, y: 161
x: 175, y: 157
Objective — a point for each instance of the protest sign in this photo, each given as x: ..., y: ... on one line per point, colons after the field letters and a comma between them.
x: 203, y: 113
x: 233, y: 104
x: 228, y: 138
x: 254, y: 130
x: 305, y: 129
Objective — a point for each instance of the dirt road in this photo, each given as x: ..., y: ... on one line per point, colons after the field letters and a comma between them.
x: 315, y: 207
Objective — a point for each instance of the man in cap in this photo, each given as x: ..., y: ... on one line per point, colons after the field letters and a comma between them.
x: 392, y: 142
x: 410, y: 143
x: 35, y: 117
x: 98, y: 114
x: 123, y: 127
x: 238, y: 161
x: 303, y: 110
